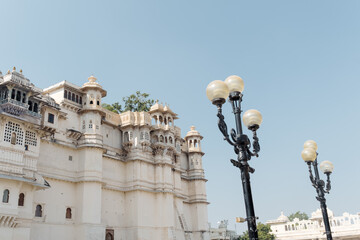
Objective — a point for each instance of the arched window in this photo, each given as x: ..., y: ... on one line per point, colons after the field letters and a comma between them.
x: 161, y: 138
x: 195, y: 143
x: 80, y: 100
x: 38, y: 211
x: 68, y: 213
x: 109, y: 236
x: 166, y: 140
x: 35, y: 107
x: 13, y: 94
x: 170, y: 140
x: 69, y: 95
x: 73, y: 97
x: 18, y: 96
x: 91, y: 102
x: 21, y: 199
x: 65, y: 94
x: 6, y: 196
x: 77, y: 98
x: 23, y: 98
x: 30, y: 105
x: 13, y: 138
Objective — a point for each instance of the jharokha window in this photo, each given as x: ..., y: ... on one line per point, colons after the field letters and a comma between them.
x: 6, y: 195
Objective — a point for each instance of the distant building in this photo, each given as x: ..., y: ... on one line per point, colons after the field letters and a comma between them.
x: 346, y: 226
x: 70, y: 169
x: 222, y: 233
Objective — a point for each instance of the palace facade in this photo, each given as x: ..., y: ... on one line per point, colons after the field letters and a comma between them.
x: 70, y: 169
x: 345, y: 227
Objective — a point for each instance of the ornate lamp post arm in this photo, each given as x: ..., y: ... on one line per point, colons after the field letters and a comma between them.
x: 309, y: 155
x: 240, y: 142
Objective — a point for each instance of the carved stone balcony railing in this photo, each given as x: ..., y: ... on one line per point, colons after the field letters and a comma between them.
x: 17, y: 108
x: 13, y: 101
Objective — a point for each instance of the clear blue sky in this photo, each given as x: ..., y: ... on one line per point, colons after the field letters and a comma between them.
x: 299, y: 61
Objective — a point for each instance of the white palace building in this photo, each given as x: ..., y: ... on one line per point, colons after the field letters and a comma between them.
x: 72, y: 170
x: 345, y: 227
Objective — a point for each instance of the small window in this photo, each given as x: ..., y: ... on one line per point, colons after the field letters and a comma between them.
x: 70, y: 158
x: 21, y: 199
x: 13, y: 138
x: 6, y: 196
x: 69, y: 96
x: 98, y: 102
x: 73, y: 97
x: 35, y: 107
x: 23, y: 98
x: 51, y: 118
x: 91, y: 102
x: 65, y: 94
x: 68, y: 213
x: 90, y: 124
x: 18, y: 96
x: 38, y: 211
x: 80, y: 100
x: 77, y: 99
x: 13, y: 94
x: 26, y: 147
x: 30, y: 105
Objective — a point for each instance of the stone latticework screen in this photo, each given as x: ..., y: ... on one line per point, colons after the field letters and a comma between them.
x: 30, y: 138
x: 11, y: 127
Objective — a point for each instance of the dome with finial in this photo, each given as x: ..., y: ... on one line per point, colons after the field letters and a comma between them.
x: 282, y: 218
x: 92, y: 84
x: 193, y: 133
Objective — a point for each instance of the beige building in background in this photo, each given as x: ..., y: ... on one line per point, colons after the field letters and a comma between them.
x: 71, y: 169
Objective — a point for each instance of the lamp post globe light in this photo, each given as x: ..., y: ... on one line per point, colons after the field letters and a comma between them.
x: 309, y: 155
x: 217, y: 92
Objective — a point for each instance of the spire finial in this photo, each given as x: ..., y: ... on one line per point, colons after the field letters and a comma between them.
x: 21, y: 71
x: 92, y: 78
x: 14, y: 69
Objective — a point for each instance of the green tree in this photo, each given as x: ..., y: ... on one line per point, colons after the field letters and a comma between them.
x: 299, y: 215
x: 264, y: 233
x: 137, y: 102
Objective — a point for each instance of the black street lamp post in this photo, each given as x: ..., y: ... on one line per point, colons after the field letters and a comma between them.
x: 309, y: 155
x: 218, y: 91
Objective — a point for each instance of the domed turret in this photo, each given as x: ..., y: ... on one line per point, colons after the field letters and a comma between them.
x: 94, y: 93
x: 193, y: 138
x: 283, y: 218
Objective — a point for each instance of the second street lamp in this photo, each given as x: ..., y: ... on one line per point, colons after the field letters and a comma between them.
x: 309, y: 155
x: 217, y: 92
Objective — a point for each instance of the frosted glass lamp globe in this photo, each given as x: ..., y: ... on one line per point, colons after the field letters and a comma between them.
x: 235, y: 83
x: 310, y: 144
x: 326, y: 167
x: 217, y: 90
x: 308, y: 154
x: 251, y: 118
